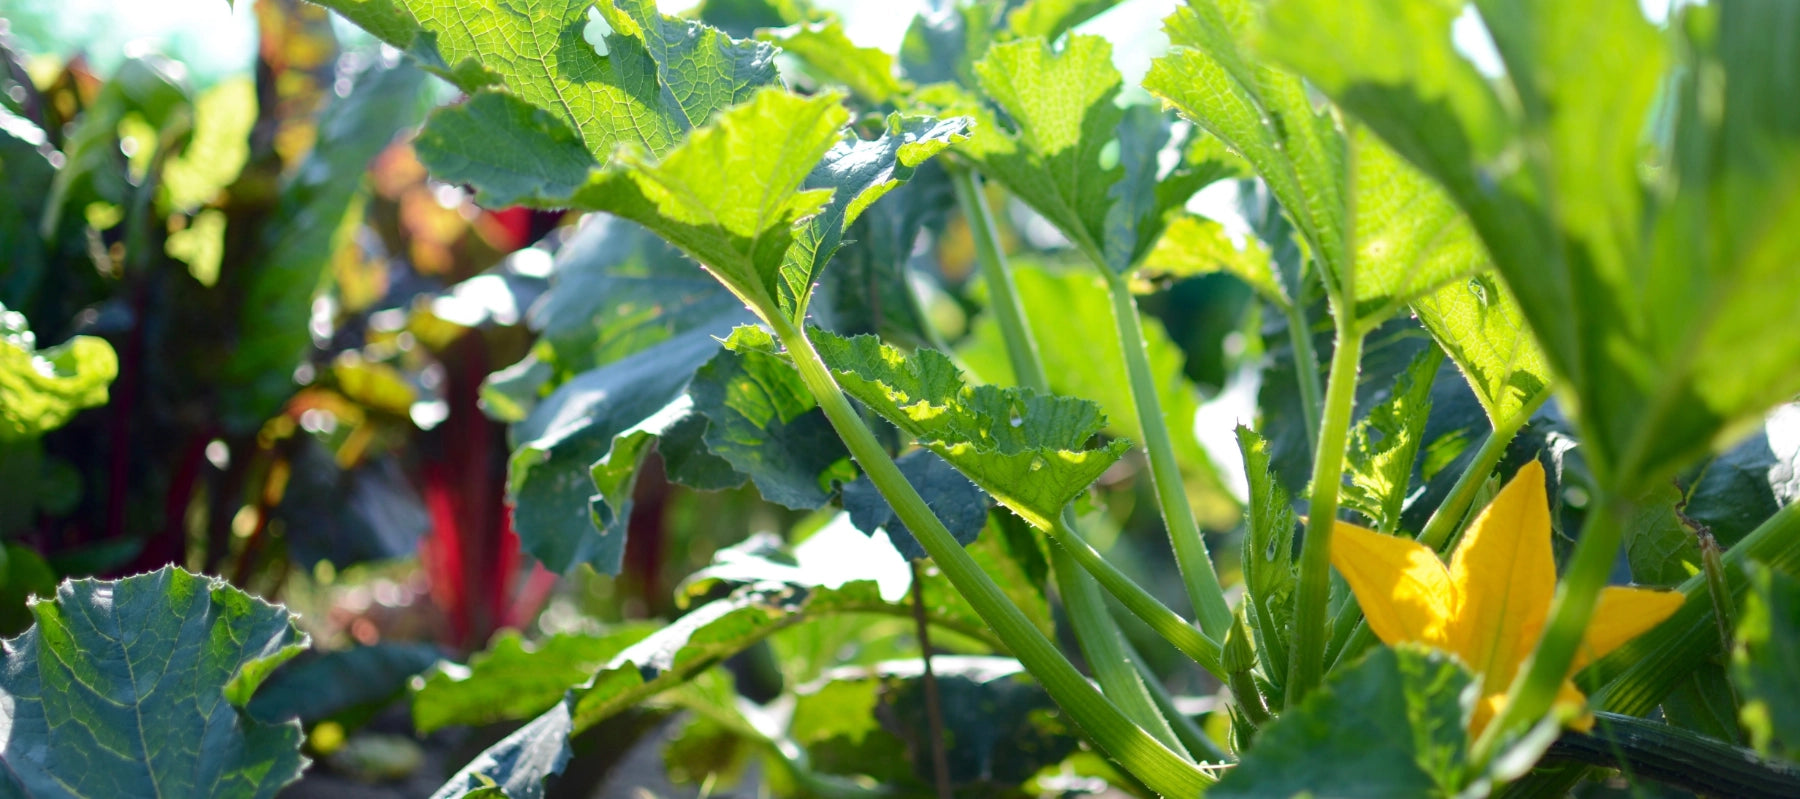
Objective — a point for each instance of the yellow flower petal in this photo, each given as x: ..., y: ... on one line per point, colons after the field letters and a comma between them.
x: 1621, y: 615
x: 1403, y: 588
x: 1504, y: 577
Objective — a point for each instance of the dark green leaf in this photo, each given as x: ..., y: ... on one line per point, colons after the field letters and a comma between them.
x: 956, y: 502
x: 764, y: 422
x: 1384, y: 444
x: 516, y: 767
x: 360, y: 680
x: 942, y: 44
x: 1391, y: 725
x: 1765, y: 665
x: 1000, y: 727
x: 548, y: 479
x: 136, y: 687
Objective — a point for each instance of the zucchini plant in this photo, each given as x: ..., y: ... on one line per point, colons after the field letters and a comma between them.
x: 1519, y: 330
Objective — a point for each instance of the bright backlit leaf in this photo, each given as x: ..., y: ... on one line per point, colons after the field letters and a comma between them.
x: 868, y: 72
x: 40, y: 390
x: 137, y: 687
x: 1653, y: 292
x: 1072, y: 320
x: 1062, y: 112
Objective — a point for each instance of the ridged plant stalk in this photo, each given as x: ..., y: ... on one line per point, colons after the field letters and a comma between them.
x: 1191, y: 558
x: 1117, y: 670
x: 1306, y: 654
x: 1140, y: 753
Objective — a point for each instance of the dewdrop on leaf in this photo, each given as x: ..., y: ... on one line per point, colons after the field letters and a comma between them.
x: 596, y: 31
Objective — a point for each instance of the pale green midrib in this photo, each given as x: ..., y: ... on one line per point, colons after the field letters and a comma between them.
x: 1140, y: 753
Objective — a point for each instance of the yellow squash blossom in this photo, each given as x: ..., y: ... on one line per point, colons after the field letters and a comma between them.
x: 1489, y: 606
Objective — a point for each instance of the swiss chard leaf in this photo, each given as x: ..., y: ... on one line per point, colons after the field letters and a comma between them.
x: 137, y: 687
x: 40, y: 390
x: 313, y: 210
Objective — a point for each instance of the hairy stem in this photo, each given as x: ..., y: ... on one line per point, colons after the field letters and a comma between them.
x: 1306, y: 367
x: 1306, y: 656
x: 1095, y: 631
x: 1003, y: 293
x: 1137, y: 751
x: 1165, y: 622
x: 1103, y: 645
x: 1191, y: 557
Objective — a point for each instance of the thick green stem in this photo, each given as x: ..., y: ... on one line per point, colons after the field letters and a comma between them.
x: 1003, y: 294
x: 1171, y: 496
x: 1100, y: 640
x: 1095, y: 631
x: 1306, y: 367
x: 1536, y: 687
x: 1165, y: 622
x: 1306, y: 657
x: 1136, y: 750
